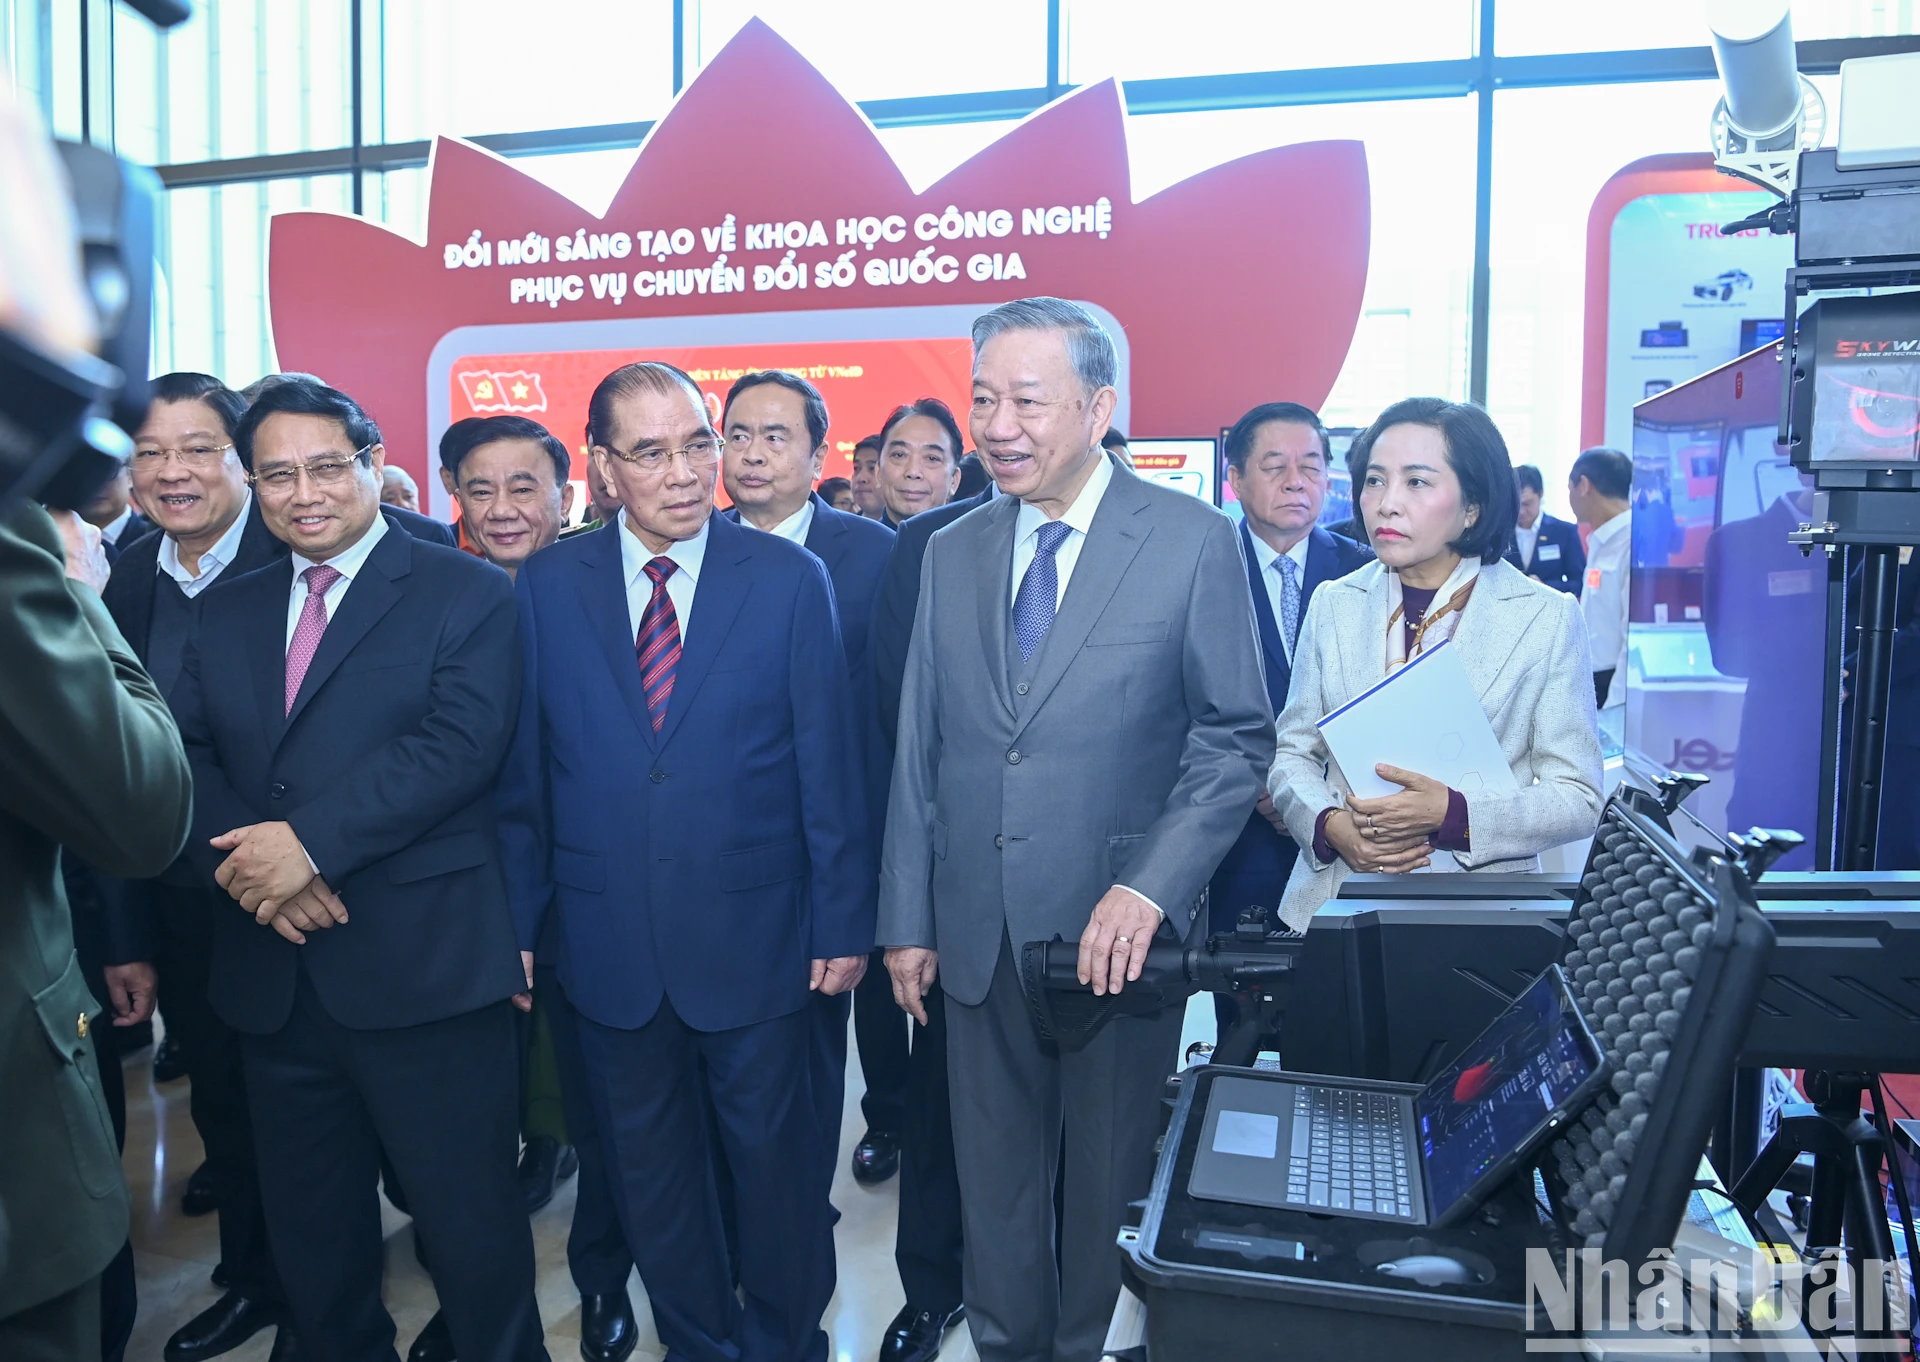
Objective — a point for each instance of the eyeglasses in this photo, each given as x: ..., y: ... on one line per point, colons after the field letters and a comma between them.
x: 328, y: 470
x: 200, y: 457
x: 700, y: 454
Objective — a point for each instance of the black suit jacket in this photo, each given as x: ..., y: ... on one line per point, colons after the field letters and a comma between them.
x: 385, y: 768
x: 129, y: 591
x: 1558, y: 558
x: 896, y: 604
x: 129, y: 922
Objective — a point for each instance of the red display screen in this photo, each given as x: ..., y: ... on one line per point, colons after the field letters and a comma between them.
x: 862, y: 382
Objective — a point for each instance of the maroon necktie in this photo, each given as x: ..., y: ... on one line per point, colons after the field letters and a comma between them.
x: 658, y: 643
x: 313, y: 623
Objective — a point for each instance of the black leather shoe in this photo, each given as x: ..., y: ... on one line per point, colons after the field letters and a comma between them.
x: 914, y: 1335
x: 221, y: 1277
x: 545, y: 1163
x: 199, y: 1198
x: 220, y: 1328
x: 169, y: 1065
x: 286, y: 1346
x: 435, y: 1343
x: 876, y: 1158
x: 607, y: 1328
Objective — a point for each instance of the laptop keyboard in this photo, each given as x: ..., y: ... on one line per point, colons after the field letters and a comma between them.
x: 1349, y: 1152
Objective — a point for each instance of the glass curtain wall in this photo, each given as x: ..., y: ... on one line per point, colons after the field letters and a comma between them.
x: 247, y: 89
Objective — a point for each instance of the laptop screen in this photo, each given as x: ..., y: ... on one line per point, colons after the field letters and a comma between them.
x: 1503, y: 1086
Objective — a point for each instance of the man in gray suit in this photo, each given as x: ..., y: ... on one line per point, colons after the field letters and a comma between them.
x: 1083, y: 726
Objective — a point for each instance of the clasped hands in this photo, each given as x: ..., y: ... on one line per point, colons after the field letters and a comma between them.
x: 1390, y: 834
x: 268, y: 874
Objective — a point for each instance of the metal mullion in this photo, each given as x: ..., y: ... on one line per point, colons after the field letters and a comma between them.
x: 1144, y: 98
x: 1482, y: 314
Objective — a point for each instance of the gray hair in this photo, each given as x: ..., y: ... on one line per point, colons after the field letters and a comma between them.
x: 1088, y: 344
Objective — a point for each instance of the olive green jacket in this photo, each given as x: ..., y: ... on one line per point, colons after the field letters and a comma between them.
x: 89, y: 759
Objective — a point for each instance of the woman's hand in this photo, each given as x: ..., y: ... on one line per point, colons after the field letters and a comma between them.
x: 1418, y: 811
x: 1395, y: 857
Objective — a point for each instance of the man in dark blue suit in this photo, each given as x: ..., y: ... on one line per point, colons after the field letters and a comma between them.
x: 774, y: 426
x: 685, y: 791
x: 346, y: 714
x: 929, y: 1244
x: 1546, y: 549
x: 1277, y: 467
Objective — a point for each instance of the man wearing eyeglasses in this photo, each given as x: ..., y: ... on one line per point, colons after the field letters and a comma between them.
x: 346, y: 713
x: 185, y: 468
x: 685, y: 793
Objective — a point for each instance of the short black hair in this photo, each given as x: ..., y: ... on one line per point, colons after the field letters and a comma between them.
x: 1477, y: 453
x: 830, y: 488
x: 931, y: 407
x: 1115, y: 438
x: 973, y: 478
x: 873, y: 442
x: 466, y: 435
x: 810, y: 398
x: 188, y: 386
x: 305, y: 399
x: 1610, y: 472
x: 1240, y: 438
x: 1526, y: 478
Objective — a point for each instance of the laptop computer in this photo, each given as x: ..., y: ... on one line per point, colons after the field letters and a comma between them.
x: 1380, y: 1152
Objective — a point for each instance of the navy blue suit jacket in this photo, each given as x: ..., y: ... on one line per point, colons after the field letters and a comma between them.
x: 385, y: 768
x: 1562, y: 572
x: 1256, y: 869
x: 710, y: 863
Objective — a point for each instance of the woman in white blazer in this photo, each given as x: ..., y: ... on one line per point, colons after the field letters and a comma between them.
x: 1439, y: 505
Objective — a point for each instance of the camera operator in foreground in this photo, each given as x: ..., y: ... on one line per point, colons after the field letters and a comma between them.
x: 89, y: 761
x: 1439, y: 504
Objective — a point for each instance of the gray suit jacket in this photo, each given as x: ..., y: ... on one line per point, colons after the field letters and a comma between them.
x: 1142, y: 740
x: 1525, y: 649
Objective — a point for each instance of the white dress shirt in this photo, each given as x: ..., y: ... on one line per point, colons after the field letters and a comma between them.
x: 687, y: 556
x: 213, y: 561
x: 1604, y: 597
x: 796, y: 526
x: 116, y: 527
x: 347, y: 563
x: 1524, y: 538
x: 1276, y: 583
x: 1026, y: 530
x: 1026, y: 542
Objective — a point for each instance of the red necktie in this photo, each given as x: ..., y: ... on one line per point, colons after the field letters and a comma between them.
x: 657, y: 645
x: 312, y: 624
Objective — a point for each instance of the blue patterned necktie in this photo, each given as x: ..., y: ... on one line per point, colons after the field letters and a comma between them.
x: 1290, y: 602
x: 1039, y: 598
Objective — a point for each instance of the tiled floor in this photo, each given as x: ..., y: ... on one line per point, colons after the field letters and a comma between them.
x: 174, y: 1255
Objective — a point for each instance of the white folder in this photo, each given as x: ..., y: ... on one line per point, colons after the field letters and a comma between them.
x: 1425, y: 718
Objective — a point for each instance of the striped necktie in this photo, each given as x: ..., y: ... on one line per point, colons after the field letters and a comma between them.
x: 657, y: 645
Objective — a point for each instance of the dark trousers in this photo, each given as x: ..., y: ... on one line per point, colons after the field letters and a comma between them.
x: 183, y: 958
x: 650, y: 1087
x: 596, y: 1249
x: 880, y: 1034
x: 441, y: 1099
x: 1601, y: 681
x: 64, y: 1329
x: 928, y: 1245
x: 1017, y: 1102
x: 119, y: 1297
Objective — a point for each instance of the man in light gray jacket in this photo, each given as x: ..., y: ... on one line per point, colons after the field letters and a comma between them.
x: 1083, y: 726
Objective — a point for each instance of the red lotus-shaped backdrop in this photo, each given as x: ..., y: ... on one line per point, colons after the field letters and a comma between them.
x: 1228, y: 293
